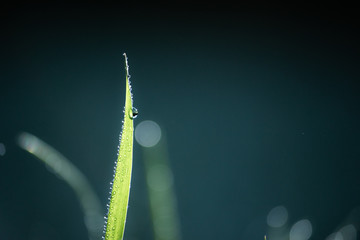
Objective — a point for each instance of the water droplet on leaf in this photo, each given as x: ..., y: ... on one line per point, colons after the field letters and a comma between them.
x: 133, y: 113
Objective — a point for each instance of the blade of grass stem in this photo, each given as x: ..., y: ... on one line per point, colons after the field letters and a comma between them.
x: 120, y: 186
x: 67, y: 171
x: 163, y: 205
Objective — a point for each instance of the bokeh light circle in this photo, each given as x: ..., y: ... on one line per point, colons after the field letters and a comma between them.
x: 2, y: 149
x: 335, y: 236
x: 301, y: 230
x: 147, y: 133
x: 277, y: 217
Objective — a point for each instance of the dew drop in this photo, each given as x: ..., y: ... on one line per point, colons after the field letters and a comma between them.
x: 133, y: 113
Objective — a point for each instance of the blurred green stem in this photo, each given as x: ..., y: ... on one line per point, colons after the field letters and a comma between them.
x: 89, y: 201
x: 161, y: 192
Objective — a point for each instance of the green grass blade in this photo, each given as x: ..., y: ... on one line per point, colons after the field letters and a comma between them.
x: 67, y: 171
x: 116, y: 217
x: 162, y: 197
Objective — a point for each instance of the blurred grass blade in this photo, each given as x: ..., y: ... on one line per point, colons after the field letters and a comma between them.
x: 163, y: 204
x: 116, y: 217
x: 61, y: 166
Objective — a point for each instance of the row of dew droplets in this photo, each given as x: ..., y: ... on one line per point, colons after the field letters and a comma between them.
x: 113, y: 185
x: 133, y: 112
x: 113, y: 228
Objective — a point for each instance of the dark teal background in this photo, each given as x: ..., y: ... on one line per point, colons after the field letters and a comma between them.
x: 260, y: 108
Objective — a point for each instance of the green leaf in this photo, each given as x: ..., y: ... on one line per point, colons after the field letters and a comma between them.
x: 116, y: 217
x: 68, y: 172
